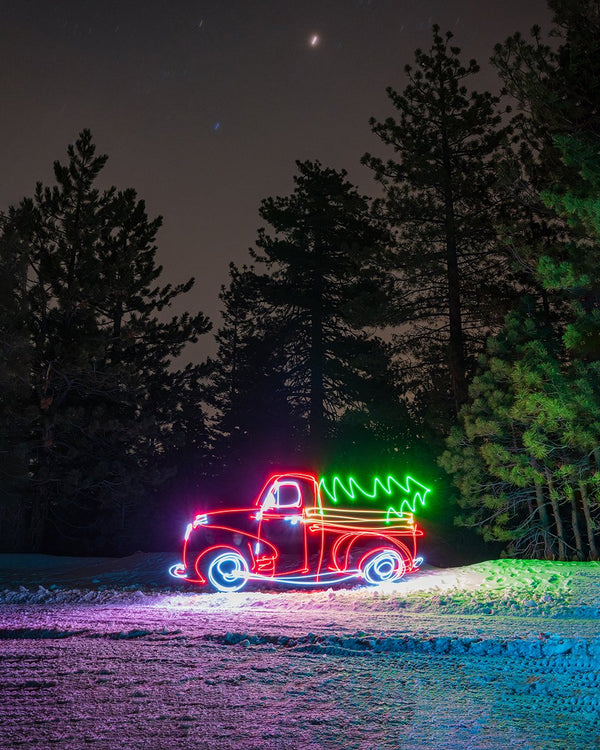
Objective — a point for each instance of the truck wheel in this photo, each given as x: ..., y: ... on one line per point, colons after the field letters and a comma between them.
x: 228, y: 571
x: 382, y: 566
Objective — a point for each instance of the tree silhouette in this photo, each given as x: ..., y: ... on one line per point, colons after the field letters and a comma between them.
x: 103, y: 398
x: 441, y: 198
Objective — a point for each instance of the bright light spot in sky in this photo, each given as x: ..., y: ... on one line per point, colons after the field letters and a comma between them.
x: 314, y: 40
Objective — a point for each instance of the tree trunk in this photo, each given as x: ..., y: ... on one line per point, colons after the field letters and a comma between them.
x: 589, y: 523
x: 575, y: 522
x: 13, y: 526
x: 456, y: 354
x: 317, y: 395
x: 37, y: 524
x: 562, y: 547
x: 543, y: 514
x: 117, y: 320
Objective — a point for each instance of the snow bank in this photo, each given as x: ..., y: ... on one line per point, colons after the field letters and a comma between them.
x: 519, y: 588
x: 545, y: 646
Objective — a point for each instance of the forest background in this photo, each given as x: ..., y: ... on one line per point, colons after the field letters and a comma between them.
x: 449, y: 327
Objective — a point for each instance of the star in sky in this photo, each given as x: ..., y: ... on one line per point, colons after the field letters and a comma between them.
x: 314, y: 40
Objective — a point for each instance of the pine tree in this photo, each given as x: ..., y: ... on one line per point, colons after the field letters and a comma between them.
x: 100, y: 378
x: 321, y: 257
x: 558, y: 96
x: 253, y: 427
x: 16, y: 412
x: 294, y: 344
x: 556, y: 89
x: 553, y: 391
x: 523, y: 460
x: 441, y: 198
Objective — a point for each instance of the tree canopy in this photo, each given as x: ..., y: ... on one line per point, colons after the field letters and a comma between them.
x: 98, y: 398
x: 442, y: 201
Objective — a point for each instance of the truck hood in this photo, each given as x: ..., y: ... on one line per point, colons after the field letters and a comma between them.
x: 240, y: 520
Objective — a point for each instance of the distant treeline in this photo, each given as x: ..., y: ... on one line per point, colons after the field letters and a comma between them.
x: 451, y: 326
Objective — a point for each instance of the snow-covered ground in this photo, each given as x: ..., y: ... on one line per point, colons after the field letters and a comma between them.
x: 114, y: 654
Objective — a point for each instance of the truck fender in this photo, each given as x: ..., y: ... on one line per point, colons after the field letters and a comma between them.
x: 245, y: 549
x: 344, y: 547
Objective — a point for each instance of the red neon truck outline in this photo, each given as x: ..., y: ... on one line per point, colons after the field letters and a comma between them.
x: 290, y: 536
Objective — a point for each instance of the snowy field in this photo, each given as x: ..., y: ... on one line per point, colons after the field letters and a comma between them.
x: 113, y: 654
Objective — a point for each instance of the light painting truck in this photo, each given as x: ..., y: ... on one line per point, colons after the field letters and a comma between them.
x: 302, y: 530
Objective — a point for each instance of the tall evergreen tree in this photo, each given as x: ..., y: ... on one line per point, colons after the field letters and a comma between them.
x: 15, y: 415
x: 441, y: 198
x: 322, y: 257
x: 555, y: 85
x: 253, y: 425
x: 299, y: 325
x: 524, y: 459
x: 554, y: 415
x: 100, y: 380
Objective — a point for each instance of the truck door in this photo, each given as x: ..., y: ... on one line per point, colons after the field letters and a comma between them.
x: 281, y: 524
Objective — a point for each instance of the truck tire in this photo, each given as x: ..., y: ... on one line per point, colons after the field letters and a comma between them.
x: 227, y: 571
x: 382, y: 566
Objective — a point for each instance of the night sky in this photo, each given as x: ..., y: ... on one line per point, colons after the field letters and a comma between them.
x: 203, y: 107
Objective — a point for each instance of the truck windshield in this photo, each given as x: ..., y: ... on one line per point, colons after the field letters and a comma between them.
x: 288, y: 495
x: 284, y: 494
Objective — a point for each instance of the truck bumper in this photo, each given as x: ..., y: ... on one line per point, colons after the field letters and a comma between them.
x: 178, y: 571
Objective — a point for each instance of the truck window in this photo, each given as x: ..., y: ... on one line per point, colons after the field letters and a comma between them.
x: 288, y: 495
